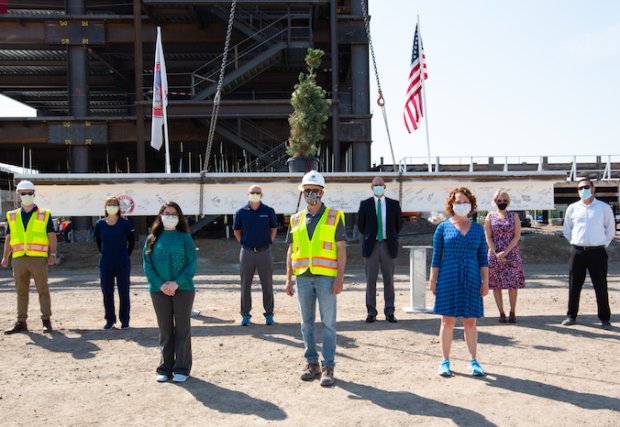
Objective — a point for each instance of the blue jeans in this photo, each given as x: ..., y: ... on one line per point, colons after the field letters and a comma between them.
x: 309, y: 289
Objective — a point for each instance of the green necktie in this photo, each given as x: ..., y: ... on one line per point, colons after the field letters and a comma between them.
x: 379, y: 221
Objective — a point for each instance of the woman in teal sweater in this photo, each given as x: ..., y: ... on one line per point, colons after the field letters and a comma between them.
x: 170, y: 265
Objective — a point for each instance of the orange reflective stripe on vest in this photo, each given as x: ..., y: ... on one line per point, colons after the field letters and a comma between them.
x: 320, y: 254
x: 32, y: 241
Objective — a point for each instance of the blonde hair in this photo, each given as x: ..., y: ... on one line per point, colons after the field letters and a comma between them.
x: 499, y: 193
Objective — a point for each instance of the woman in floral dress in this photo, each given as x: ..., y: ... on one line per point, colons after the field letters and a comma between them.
x: 503, y: 231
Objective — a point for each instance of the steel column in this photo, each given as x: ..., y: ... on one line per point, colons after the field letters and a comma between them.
x: 77, y: 57
x: 335, y: 96
x: 360, y: 93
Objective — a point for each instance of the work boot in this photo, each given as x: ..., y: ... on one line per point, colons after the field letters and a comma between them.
x: 327, y: 376
x: 311, y: 371
x: 19, y: 326
x: 47, y: 326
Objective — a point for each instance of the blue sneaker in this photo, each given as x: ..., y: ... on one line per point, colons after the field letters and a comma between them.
x: 444, y: 368
x: 476, y: 369
x: 245, y: 321
x: 268, y: 319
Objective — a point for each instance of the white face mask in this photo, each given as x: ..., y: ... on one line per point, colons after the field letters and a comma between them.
x: 462, y: 209
x: 170, y: 221
x: 254, y: 198
x: 111, y: 210
x: 27, y: 200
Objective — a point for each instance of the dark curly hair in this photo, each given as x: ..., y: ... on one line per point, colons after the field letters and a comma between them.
x: 452, y: 197
x: 157, y: 227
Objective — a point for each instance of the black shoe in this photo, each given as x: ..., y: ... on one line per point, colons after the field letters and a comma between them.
x: 569, y: 321
x: 606, y: 324
x: 371, y: 318
x: 108, y: 325
x: 17, y: 327
x: 391, y: 319
x: 47, y: 326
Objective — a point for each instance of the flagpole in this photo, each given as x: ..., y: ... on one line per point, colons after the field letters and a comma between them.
x: 167, y: 146
x: 164, y: 102
x: 423, y: 72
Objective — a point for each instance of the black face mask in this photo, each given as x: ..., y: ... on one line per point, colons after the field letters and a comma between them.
x: 502, y: 206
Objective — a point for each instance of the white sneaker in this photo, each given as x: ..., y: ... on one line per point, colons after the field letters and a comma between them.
x: 161, y: 378
x: 179, y: 378
x: 195, y: 313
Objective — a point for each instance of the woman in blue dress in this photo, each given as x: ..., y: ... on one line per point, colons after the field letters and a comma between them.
x: 115, y: 240
x: 459, y: 276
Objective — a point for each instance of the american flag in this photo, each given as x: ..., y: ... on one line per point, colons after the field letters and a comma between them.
x: 413, y: 104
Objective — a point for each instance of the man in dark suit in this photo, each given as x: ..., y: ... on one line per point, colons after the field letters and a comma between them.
x: 380, y: 246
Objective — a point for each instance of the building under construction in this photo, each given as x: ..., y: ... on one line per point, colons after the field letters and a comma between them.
x: 86, y: 66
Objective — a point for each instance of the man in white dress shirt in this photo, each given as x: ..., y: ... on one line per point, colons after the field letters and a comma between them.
x: 590, y: 227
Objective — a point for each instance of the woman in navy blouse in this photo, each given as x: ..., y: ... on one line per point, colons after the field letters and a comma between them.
x: 170, y: 265
x: 115, y: 240
x: 459, y: 276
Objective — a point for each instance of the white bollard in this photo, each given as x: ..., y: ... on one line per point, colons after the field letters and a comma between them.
x: 417, y: 279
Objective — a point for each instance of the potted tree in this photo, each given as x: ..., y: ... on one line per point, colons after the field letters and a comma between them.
x: 310, y: 113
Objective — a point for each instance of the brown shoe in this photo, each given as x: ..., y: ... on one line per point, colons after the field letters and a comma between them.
x: 17, y: 327
x: 512, y: 318
x: 327, y: 376
x: 311, y: 371
x: 47, y: 326
x: 502, y: 318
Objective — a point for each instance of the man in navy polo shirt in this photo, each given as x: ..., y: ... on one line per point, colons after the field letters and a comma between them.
x: 255, y: 227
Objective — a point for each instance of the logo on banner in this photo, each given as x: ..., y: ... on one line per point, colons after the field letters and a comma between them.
x: 127, y: 204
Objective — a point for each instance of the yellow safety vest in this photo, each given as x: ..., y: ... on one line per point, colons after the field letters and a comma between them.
x: 320, y: 254
x: 33, y: 241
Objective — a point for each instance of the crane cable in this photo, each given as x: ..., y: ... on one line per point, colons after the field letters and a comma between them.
x: 216, y: 100
x: 380, y: 99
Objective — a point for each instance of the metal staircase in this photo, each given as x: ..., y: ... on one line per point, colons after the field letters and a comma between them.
x: 252, y: 56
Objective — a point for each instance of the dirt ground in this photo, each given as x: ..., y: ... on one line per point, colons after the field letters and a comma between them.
x: 538, y: 372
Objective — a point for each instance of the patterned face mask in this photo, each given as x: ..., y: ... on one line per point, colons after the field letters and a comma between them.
x: 312, y: 197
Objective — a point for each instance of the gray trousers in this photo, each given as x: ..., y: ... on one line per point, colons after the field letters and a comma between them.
x: 249, y: 263
x: 380, y: 258
x: 175, y: 334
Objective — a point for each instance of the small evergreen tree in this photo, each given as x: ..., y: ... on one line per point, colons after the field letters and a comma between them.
x: 310, y: 110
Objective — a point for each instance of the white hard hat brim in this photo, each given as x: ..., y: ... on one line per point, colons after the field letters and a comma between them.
x: 300, y: 187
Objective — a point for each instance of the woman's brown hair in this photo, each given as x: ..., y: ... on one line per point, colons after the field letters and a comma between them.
x: 118, y: 203
x: 157, y: 227
x: 452, y: 197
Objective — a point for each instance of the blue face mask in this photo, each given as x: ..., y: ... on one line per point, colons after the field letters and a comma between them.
x: 378, y: 190
x: 585, y: 194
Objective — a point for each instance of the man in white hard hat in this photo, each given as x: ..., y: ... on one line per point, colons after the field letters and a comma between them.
x: 317, y: 258
x: 31, y: 242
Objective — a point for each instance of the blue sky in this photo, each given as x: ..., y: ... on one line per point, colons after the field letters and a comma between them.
x: 516, y: 78
x: 528, y: 77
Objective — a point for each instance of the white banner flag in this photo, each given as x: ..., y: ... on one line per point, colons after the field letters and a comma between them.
x: 160, y: 95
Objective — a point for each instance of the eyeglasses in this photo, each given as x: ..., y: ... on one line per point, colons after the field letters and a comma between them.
x: 309, y: 192
x: 30, y: 193
x: 585, y: 187
x: 501, y: 201
x: 255, y: 192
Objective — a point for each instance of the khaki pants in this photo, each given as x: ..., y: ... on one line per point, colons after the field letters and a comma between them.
x: 24, y: 268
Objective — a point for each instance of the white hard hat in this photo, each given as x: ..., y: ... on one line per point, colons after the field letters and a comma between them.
x: 25, y: 185
x: 312, y: 178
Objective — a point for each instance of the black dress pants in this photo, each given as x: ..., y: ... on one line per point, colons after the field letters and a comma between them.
x: 595, y: 262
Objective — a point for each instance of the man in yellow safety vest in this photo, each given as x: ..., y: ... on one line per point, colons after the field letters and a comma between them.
x: 317, y: 257
x: 31, y: 242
